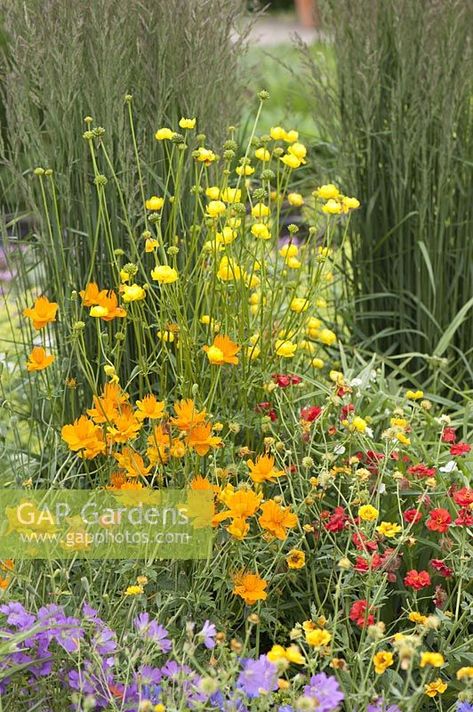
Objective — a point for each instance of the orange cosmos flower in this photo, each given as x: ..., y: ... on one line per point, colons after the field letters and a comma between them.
x: 263, y: 469
x: 84, y: 437
x: 238, y: 529
x: 42, y: 313
x: 39, y: 359
x: 241, y: 504
x: 250, y: 587
x: 92, y: 295
x: 132, y: 462
x: 223, y: 350
x: 117, y: 480
x: 202, y: 483
x: 276, y: 519
x: 150, y: 407
x: 201, y: 440
x: 106, y: 406
x: 159, y: 442
x: 125, y: 425
x: 187, y: 415
x: 177, y: 448
x: 104, y: 410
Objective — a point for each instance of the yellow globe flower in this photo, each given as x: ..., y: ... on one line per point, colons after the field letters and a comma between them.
x: 261, y: 231
x: 277, y: 133
x: 298, y: 150
x: 154, y: 203
x: 246, y: 170
x: 299, y: 304
x: 215, y: 208
x: 332, y: 207
x: 260, y: 210
x: 290, y: 136
x: 295, y: 199
x: 262, y: 154
x: 231, y: 195
x: 327, y: 192
x: 291, y: 161
x: 213, y: 192
x: 327, y: 337
x: 164, y: 274
x: 285, y: 348
x: 164, y: 134
x: 187, y: 123
x: 289, y: 251
x: 133, y: 293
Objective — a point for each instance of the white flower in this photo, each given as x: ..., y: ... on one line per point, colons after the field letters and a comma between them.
x: 451, y: 466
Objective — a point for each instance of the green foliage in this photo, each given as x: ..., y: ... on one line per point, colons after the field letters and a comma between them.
x: 69, y: 60
x: 402, y: 117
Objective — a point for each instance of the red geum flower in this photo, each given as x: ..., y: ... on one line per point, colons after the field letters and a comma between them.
x: 337, y: 521
x: 284, y: 380
x: 439, y: 520
x: 310, y: 413
x: 440, y: 596
x: 396, y: 455
x: 267, y: 408
x: 448, y: 435
x: 363, y: 565
x: 346, y: 410
x: 417, y: 579
x: 460, y: 449
x: 421, y: 470
x: 465, y: 518
x: 441, y: 567
x: 463, y: 497
x: 360, y: 613
x: 413, y: 516
x: 362, y: 542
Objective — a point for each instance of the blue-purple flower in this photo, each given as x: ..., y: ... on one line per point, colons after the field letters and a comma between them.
x: 258, y: 677
x: 326, y: 691
x: 152, y: 630
x: 207, y: 634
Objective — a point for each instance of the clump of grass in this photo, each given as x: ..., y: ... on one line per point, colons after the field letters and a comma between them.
x: 65, y: 61
x: 402, y: 117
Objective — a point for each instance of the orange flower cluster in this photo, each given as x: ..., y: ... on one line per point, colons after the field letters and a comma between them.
x: 244, y: 503
x: 250, y: 587
x: 112, y: 420
x: 42, y: 313
x: 103, y: 303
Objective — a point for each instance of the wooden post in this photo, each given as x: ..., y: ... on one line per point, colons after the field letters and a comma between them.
x: 307, y: 12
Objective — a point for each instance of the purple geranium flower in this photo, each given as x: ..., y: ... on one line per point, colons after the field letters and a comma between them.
x: 172, y: 669
x: 465, y: 707
x: 380, y: 706
x: 17, y: 616
x: 208, y: 633
x: 326, y: 691
x: 152, y: 630
x: 258, y: 676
